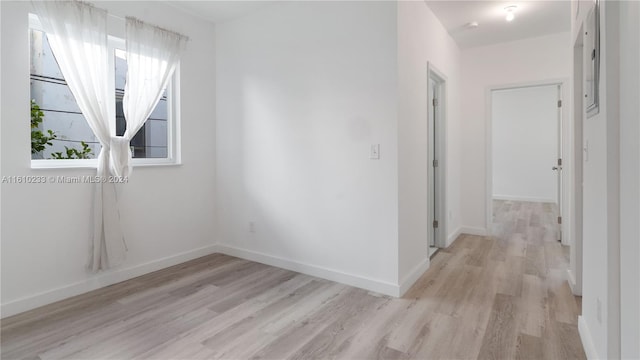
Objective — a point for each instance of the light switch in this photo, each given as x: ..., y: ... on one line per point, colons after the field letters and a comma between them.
x: 375, y: 152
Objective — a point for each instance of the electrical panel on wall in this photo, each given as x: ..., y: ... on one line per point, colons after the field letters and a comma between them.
x: 592, y: 61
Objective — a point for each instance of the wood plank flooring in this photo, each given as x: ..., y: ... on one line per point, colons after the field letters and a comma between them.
x: 499, y: 297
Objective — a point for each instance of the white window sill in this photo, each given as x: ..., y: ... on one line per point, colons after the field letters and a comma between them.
x: 93, y: 163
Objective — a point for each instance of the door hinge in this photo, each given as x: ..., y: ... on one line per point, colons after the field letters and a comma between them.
x: 435, y: 163
x: 559, y: 103
x: 435, y: 102
x: 559, y: 219
x: 559, y: 162
x: 435, y: 224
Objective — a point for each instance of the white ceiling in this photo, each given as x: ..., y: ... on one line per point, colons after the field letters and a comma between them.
x: 219, y: 11
x: 533, y: 18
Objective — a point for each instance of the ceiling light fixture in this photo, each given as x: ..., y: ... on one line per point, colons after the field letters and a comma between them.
x: 511, y: 10
x: 472, y: 25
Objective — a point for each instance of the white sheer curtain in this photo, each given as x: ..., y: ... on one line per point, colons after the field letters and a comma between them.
x: 77, y: 33
x: 152, y: 56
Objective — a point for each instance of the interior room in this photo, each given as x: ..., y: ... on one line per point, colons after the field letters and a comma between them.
x: 320, y: 179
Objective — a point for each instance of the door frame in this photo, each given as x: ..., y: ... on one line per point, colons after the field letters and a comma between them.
x: 567, y: 152
x: 577, y: 142
x: 441, y: 135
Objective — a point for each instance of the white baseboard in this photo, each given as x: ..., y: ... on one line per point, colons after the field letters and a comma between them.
x: 587, y: 340
x: 572, y: 283
x: 451, y: 238
x: 362, y: 282
x: 469, y: 230
x: 523, y: 198
x: 413, y: 276
x: 100, y: 280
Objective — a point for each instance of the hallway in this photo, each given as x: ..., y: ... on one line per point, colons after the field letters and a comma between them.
x: 504, y: 296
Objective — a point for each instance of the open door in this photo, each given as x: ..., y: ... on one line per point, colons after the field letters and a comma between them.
x: 433, y: 161
x: 436, y: 171
x: 558, y: 167
x: 525, y: 147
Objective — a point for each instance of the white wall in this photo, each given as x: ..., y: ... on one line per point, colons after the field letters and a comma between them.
x: 600, y: 319
x: 524, y: 125
x: 526, y: 61
x: 422, y: 39
x: 301, y: 105
x: 304, y: 90
x: 611, y: 252
x: 630, y: 180
x: 166, y: 212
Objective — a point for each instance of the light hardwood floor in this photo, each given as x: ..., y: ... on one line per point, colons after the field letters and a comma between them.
x: 500, y: 297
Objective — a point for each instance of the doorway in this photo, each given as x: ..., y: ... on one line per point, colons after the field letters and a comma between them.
x: 525, y: 152
x: 436, y: 173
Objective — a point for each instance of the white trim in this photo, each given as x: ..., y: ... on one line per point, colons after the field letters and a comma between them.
x: 362, y: 282
x: 575, y: 176
x: 38, y: 164
x: 44, y: 164
x: 587, y: 340
x: 565, y: 84
x: 442, y: 81
x: 453, y: 236
x: 488, y: 160
x: 470, y: 230
x: 407, y: 282
x: 575, y: 290
x: 99, y: 281
x: 174, y: 142
x: 522, y: 198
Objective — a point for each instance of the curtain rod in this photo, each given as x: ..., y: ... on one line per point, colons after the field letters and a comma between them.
x: 92, y: 5
x: 115, y: 16
x: 148, y: 24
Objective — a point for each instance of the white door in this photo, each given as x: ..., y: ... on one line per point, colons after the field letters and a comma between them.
x: 527, y: 144
x: 558, y: 166
x: 433, y: 161
x: 436, y: 167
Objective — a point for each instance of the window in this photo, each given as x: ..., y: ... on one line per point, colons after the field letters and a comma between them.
x: 151, y: 139
x: 59, y: 112
x: 60, y: 131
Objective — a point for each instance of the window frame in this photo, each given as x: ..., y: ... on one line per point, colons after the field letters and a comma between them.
x: 173, y: 117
